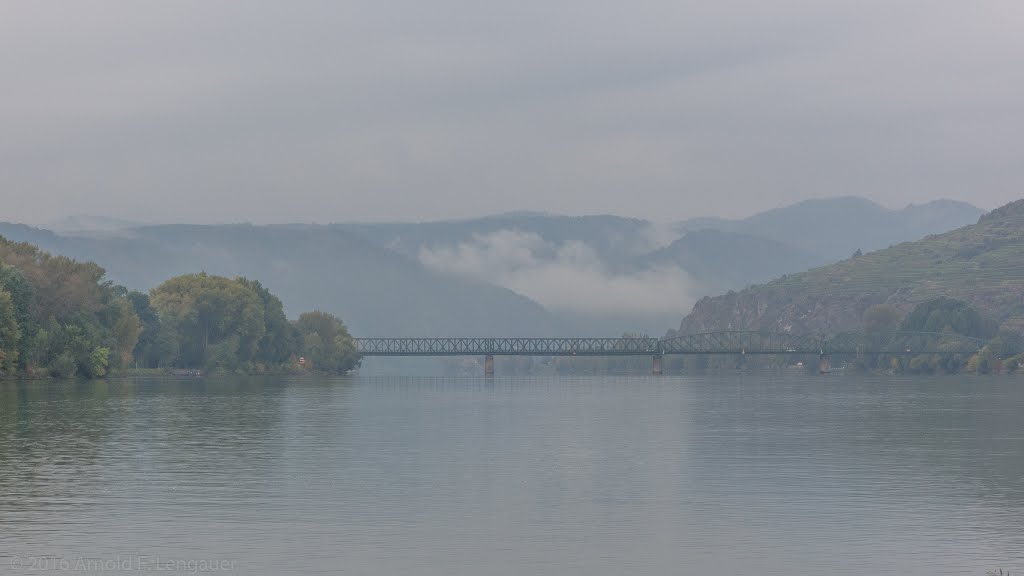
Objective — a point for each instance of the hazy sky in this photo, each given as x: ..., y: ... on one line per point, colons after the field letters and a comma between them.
x: 368, y: 110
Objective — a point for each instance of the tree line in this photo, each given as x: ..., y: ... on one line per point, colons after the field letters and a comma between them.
x: 950, y: 318
x: 61, y: 317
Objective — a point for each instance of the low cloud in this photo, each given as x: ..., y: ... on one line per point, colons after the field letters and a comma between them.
x: 565, y: 278
x: 659, y: 235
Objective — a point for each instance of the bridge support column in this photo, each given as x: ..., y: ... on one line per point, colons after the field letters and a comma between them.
x: 489, y: 365
x: 825, y: 364
x: 656, y: 365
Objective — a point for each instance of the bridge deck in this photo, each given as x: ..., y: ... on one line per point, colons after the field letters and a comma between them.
x: 722, y: 342
x: 507, y: 346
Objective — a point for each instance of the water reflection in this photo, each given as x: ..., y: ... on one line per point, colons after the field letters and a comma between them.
x: 518, y: 475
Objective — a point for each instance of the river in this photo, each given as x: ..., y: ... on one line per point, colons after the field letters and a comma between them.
x: 766, y: 475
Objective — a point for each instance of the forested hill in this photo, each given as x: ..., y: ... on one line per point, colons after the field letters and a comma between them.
x: 512, y: 274
x: 61, y: 317
x: 378, y: 291
x: 982, y: 264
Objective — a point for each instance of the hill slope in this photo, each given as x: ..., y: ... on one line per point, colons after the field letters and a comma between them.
x: 716, y: 254
x: 833, y: 228
x: 594, y: 274
x: 376, y: 291
x: 982, y: 264
x: 722, y: 261
x: 615, y: 238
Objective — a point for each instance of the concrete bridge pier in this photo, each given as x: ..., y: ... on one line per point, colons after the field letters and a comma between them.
x: 825, y: 364
x: 656, y: 368
x: 489, y: 365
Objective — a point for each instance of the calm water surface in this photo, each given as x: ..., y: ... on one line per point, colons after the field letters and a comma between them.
x: 720, y: 475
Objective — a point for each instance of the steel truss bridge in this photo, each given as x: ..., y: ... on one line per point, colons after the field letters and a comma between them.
x: 721, y: 342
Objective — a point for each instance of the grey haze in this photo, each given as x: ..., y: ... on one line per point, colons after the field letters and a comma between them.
x: 230, y: 111
x: 516, y: 273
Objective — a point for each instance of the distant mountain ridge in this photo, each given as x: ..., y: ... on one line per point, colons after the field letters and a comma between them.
x: 982, y: 264
x: 374, y: 290
x: 614, y: 237
x: 833, y: 228
x: 509, y: 274
x: 730, y: 260
x: 718, y: 254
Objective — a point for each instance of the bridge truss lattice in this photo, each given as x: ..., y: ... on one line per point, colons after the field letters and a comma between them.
x: 717, y: 342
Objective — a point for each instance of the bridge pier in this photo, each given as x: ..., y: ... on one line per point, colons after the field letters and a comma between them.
x: 825, y: 364
x: 489, y: 365
x: 656, y: 365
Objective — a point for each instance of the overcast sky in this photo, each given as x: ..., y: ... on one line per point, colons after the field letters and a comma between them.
x: 380, y: 110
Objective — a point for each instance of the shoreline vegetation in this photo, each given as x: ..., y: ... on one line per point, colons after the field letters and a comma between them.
x: 60, y: 318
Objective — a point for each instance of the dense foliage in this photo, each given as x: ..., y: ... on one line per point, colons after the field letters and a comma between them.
x: 326, y: 342
x: 236, y: 324
x: 59, y: 316
x: 939, y: 314
x: 216, y: 322
x: 951, y: 320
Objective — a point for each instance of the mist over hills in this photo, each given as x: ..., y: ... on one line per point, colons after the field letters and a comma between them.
x: 375, y: 290
x: 615, y: 238
x: 591, y: 267
x: 729, y: 260
x: 510, y: 274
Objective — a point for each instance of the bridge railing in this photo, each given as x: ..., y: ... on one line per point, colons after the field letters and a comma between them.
x: 507, y: 346
x: 741, y: 342
x: 719, y: 342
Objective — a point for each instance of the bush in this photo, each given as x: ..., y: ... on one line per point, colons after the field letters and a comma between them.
x: 923, y: 364
x: 98, y: 361
x: 64, y: 365
x: 1013, y: 363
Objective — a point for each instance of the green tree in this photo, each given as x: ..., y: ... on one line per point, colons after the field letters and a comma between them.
x: 126, y: 330
x: 79, y: 338
x: 68, y: 314
x: 327, y: 343
x: 881, y: 318
x: 83, y: 313
x: 146, y: 352
x: 63, y: 286
x: 1007, y: 343
x: 22, y: 293
x: 203, y: 311
x: 923, y: 364
x: 64, y: 365
x: 98, y: 361
x: 279, y: 338
x: 984, y: 362
x: 10, y: 333
x: 939, y: 313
